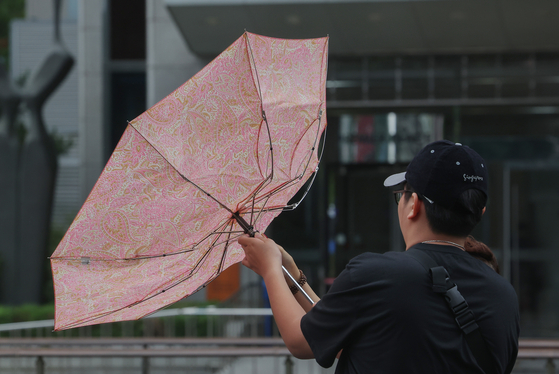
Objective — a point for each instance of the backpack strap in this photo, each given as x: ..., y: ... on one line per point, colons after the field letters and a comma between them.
x: 463, y: 316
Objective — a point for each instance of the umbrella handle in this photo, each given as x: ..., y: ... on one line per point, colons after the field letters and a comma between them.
x: 297, y: 285
x: 250, y: 230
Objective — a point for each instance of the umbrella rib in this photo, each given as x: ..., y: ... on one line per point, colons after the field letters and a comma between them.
x: 289, y: 183
x: 271, y: 175
x: 265, y: 198
x: 128, y: 258
x: 264, y: 117
x: 182, y: 251
x: 253, y: 199
x: 278, y: 189
x: 294, y: 205
x: 179, y: 173
x: 314, y: 143
x: 202, y: 255
x: 191, y: 273
x: 224, y: 254
x: 293, y: 181
x: 202, y: 259
x: 257, y: 78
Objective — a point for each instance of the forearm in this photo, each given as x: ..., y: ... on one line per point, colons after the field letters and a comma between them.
x: 303, y: 301
x: 264, y: 256
x: 299, y: 296
x: 287, y: 313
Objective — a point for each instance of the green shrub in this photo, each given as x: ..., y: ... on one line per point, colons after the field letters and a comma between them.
x: 27, y: 312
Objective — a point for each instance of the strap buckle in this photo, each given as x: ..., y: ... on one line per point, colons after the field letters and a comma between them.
x: 464, y: 317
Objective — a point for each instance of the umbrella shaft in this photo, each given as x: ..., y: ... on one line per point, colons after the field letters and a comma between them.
x: 297, y: 285
x: 249, y: 229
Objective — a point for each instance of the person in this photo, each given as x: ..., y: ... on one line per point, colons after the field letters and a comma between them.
x: 381, y: 314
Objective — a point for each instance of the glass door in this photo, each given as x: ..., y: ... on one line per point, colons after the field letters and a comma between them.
x: 530, y: 254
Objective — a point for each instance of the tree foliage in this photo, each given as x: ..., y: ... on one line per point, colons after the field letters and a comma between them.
x: 9, y: 9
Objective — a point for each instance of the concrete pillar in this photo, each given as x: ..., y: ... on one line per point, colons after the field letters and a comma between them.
x: 91, y: 91
x: 170, y: 62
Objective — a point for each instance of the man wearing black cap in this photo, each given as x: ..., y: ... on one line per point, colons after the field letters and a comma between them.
x: 431, y: 309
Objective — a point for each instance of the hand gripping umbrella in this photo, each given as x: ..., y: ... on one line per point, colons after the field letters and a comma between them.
x: 220, y: 156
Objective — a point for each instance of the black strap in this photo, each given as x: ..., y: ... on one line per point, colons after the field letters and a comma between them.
x: 462, y: 314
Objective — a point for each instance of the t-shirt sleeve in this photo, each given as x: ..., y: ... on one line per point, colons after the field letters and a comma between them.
x: 328, y: 326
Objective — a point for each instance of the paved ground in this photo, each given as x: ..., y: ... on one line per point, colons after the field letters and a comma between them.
x: 262, y: 365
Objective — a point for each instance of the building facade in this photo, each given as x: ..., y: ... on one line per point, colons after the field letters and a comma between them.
x: 401, y: 74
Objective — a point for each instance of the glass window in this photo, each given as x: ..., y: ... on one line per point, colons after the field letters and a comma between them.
x: 128, y: 29
x: 128, y: 100
x: 382, y: 78
x: 483, y: 76
x: 385, y: 138
x: 448, y: 77
x: 533, y: 247
x: 547, y: 74
x: 415, y: 76
x: 345, y: 79
x: 516, y: 75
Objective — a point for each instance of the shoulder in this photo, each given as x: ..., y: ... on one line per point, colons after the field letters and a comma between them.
x: 475, y: 279
x: 496, y: 285
x: 369, y: 266
x: 377, y: 260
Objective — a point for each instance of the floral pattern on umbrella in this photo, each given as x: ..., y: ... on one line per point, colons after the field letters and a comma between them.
x: 234, y: 143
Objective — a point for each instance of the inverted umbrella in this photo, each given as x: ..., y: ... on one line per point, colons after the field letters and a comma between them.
x: 220, y: 156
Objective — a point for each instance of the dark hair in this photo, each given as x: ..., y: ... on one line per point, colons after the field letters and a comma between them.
x: 459, y: 221
x: 482, y: 252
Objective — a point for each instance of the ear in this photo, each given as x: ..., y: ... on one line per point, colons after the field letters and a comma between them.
x: 416, y: 206
x: 483, y: 211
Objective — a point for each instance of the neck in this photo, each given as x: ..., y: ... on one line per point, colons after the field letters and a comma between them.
x: 416, y: 228
x: 445, y: 242
x: 437, y: 239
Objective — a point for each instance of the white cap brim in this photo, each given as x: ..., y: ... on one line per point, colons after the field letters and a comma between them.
x: 395, y: 179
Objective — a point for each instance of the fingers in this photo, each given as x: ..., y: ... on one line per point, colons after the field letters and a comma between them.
x: 261, y: 255
x: 246, y: 240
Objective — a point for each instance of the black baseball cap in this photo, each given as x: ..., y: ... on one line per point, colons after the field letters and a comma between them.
x: 442, y: 171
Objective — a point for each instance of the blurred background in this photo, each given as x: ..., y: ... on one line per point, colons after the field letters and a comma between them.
x: 401, y: 74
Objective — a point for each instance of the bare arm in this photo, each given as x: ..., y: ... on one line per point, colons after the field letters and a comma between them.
x: 289, y: 264
x: 264, y: 257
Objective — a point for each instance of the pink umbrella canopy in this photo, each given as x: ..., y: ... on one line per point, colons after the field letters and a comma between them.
x: 222, y: 154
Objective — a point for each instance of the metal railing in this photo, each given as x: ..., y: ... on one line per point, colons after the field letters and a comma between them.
x: 146, y: 349
x: 221, y: 354
x: 177, y: 322
x: 219, y: 351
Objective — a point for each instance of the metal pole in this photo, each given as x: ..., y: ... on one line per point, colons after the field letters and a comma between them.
x: 297, y: 285
x: 288, y: 365
x: 506, y: 223
x: 515, y: 240
x: 40, y: 365
x: 398, y: 78
x: 550, y: 366
x: 145, y: 362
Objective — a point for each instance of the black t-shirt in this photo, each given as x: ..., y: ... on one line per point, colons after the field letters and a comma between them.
x: 383, y: 313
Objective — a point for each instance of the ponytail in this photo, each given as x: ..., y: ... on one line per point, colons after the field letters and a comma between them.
x: 482, y: 252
